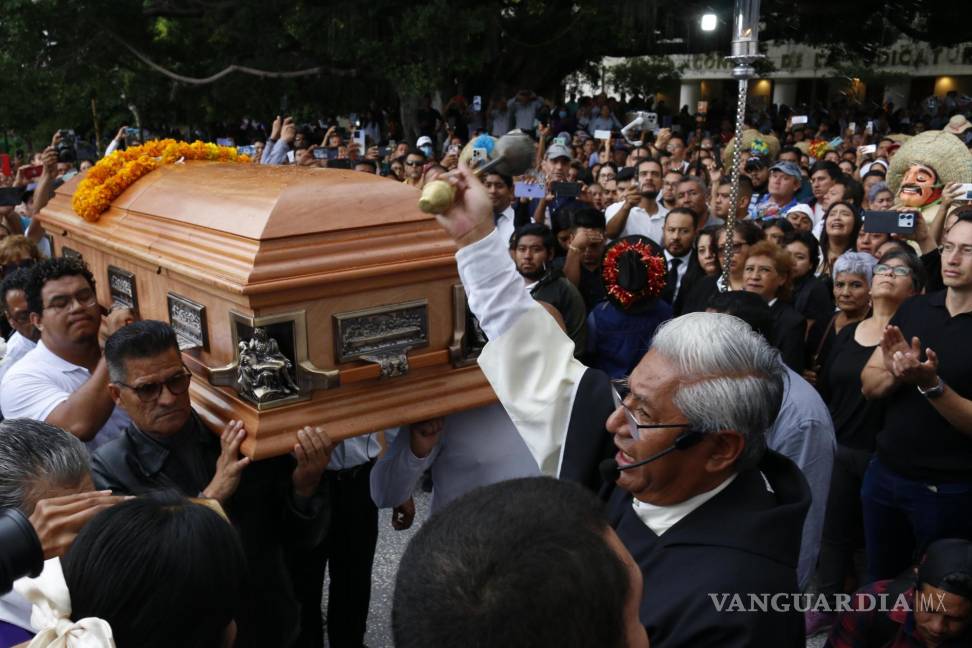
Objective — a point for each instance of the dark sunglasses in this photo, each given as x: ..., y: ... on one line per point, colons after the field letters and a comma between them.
x: 177, y: 384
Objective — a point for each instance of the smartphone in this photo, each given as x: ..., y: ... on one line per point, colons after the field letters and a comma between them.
x: 11, y: 196
x: 852, y: 127
x: 331, y: 153
x: 479, y: 156
x: 246, y: 150
x: 869, y: 129
x: 890, y: 222
x: 651, y: 121
x: 602, y: 134
x: 131, y: 132
x: 339, y: 164
x: 477, y: 103
x: 869, y: 149
x: 224, y: 141
x: 359, y: 137
x: 320, y: 154
x: 567, y: 189
x: 452, y: 150
x: 290, y: 156
x: 799, y: 119
x: 967, y: 188
x: 30, y: 172
x: 528, y: 190
x: 837, y: 141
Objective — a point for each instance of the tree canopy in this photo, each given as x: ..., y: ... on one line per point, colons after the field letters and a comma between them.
x: 196, y: 63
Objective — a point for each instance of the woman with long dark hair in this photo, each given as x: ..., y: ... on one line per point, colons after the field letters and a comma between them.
x: 842, y: 224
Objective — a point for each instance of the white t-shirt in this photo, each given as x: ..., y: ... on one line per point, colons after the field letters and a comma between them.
x: 640, y: 221
x: 17, y: 348
x: 41, y: 381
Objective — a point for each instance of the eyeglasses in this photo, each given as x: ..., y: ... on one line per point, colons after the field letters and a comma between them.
x: 897, y: 271
x: 177, y: 384
x: 620, y: 392
x: 84, y: 298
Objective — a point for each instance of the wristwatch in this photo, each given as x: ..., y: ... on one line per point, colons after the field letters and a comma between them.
x: 933, y: 392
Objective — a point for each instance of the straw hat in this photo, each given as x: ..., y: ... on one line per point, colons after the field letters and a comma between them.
x: 767, y: 146
x: 940, y: 150
x: 958, y: 124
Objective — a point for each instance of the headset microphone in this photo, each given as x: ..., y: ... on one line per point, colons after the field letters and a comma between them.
x: 610, y: 470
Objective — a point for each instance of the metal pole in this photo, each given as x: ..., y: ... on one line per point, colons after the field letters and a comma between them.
x: 744, y: 51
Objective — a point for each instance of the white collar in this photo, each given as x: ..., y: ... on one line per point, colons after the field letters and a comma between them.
x: 772, y: 301
x: 662, y: 518
x: 669, y: 256
x: 50, y: 358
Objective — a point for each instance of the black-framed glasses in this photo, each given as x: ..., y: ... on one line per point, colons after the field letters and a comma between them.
x: 620, y: 392
x: 85, y: 298
x: 148, y: 392
x: 897, y: 271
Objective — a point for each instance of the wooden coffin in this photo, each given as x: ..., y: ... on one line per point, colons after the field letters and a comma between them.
x: 300, y: 296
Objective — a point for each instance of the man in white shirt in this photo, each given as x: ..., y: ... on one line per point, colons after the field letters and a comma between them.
x: 64, y: 380
x: 500, y: 190
x: 14, y: 297
x: 639, y: 213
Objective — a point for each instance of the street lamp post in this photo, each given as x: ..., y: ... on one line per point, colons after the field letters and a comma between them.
x: 743, y: 53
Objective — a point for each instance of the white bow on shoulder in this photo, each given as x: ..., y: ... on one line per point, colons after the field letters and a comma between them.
x: 51, y: 614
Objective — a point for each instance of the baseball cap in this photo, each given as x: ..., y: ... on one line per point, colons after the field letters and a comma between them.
x: 801, y: 208
x: 756, y: 162
x: 425, y: 140
x: 789, y: 168
x: 558, y: 151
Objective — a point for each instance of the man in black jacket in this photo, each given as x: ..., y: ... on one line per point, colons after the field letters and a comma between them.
x: 274, y: 504
x: 704, y: 508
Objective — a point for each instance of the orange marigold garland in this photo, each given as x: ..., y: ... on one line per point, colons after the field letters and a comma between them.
x: 115, y: 173
x: 654, y: 263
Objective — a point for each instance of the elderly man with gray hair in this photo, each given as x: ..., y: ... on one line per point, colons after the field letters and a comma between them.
x: 44, y: 476
x: 712, y: 517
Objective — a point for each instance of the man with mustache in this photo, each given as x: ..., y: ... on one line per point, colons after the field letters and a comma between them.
x: 923, y: 166
x: 277, y: 505
x: 63, y: 381
x: 639, y: 213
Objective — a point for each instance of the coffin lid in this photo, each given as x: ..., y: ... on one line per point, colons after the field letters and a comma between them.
x: 263, y: 202
x: 251, y: 228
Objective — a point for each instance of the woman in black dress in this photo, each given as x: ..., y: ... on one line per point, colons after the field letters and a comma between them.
x: 897, y: 276
x: 768, y: 272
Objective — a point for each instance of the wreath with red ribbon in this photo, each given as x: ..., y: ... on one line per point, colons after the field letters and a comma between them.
x: 655, y: 267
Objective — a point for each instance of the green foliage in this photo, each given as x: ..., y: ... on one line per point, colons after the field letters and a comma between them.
x: 643, y: 75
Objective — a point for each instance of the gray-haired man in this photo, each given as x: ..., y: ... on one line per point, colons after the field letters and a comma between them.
x: 41, y: 462
x: 704, y: 508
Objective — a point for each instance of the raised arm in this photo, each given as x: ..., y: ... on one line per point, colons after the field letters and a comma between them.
x: 529, y: 360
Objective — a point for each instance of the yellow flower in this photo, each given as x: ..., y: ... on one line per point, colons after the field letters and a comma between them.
x: 115, y: 173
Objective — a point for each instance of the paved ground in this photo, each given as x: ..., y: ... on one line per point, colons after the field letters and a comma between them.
x: 391, y: 544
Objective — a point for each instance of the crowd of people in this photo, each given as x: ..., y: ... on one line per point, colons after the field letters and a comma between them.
x: 749, y: 393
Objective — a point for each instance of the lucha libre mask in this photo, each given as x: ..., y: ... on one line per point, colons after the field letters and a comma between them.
x: 918, y: 187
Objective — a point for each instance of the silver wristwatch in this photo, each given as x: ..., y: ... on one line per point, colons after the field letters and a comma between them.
x: 933, y: 392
